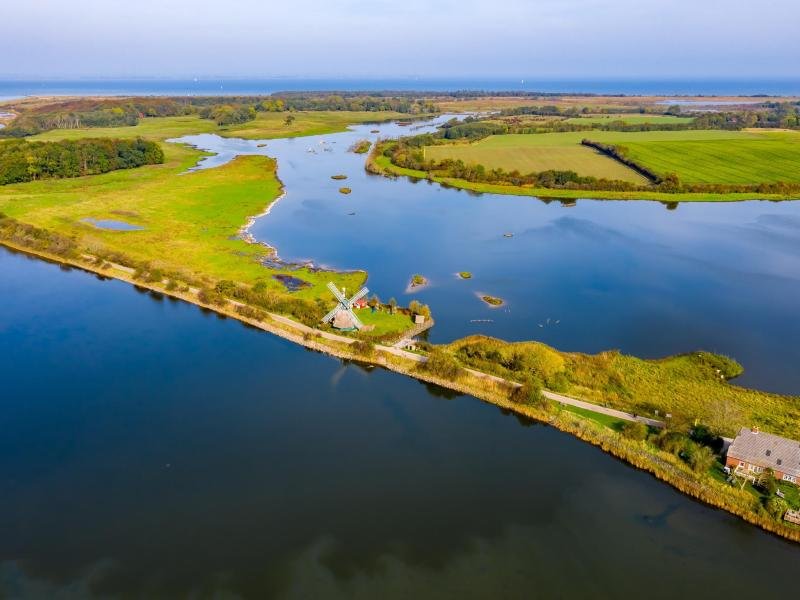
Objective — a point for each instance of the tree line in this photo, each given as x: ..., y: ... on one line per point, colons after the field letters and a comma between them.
x: 231, y: 110
x: 22, y: 161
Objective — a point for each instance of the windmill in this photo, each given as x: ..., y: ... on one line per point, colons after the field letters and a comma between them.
x: 343, y: 317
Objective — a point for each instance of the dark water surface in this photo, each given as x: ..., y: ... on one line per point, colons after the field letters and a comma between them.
x: 149, y: 449
x: 585, y: 276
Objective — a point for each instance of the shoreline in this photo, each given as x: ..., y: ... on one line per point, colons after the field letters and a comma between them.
x: 486, y: 388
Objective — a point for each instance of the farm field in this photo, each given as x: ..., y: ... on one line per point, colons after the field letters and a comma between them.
x: 526, y: 157
x: 631, y: 119
x: 696, y: 156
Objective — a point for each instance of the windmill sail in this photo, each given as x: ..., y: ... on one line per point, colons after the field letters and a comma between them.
x: 361, y: 293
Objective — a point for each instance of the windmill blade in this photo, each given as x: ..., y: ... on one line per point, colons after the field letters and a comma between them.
x: 361, y: 293
x: 331, y: 314
x: 356, y: 321
x: 337, y: 292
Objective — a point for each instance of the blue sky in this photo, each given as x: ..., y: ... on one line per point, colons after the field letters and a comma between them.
x: 401, y: 38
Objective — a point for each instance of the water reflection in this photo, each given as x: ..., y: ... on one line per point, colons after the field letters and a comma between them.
x: 149, y: 452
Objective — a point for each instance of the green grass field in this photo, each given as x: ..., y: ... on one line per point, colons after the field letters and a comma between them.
x: 384, y: 322
x: 631, y: 119
x: 752, y: 158
x: 600, y: 418
x: 527, y: 154
x: 189, y: 220
x: 265, y: 126
x: 696, y: 156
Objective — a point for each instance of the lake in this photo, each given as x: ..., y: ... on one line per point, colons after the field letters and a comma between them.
x: 646, y: 278
x: 151, y: 449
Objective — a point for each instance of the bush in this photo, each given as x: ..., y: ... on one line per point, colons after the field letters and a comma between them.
x: 212, y: 297
x: 776, y: 507
x: 530, y: 394
x: 442, y: 364
x: 363, y: 347
x: 670, y: 441
x: 699, y: 458
x: 635, y: 430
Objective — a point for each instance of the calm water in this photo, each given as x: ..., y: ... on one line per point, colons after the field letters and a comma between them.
x: 150, y: 449
x: 224, y: 86
x: 583, y: 276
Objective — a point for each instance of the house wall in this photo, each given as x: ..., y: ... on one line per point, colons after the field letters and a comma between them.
x: 733, y: 462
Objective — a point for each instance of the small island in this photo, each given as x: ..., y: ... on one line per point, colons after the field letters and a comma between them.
x: 492, y: 300
x: 361, y: 147
x: 345, y: 190
x: 339, y: 177
x: 418, y: 280
x: 465, y: 275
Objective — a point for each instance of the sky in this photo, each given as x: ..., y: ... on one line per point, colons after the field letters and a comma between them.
x: 400, y: 38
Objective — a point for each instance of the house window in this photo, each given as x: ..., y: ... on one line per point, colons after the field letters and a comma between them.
x: 790, y: 478
x: 741, y: 464
x: 755, y: 469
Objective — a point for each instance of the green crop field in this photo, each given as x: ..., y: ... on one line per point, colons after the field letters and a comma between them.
x: 522, y: 153
x: 696, y: 156
x: 759, y: 158
x: 631, y: 119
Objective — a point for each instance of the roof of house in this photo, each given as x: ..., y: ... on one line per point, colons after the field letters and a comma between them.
x: 767, y: 450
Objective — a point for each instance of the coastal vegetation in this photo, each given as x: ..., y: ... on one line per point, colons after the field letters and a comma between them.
x: 691, y: 387
x: 22, y: 161
x: 361, y: 147
x: 418, y: 280
x: 492, y: 300
x: 265, y: 126
x: 41, y: 115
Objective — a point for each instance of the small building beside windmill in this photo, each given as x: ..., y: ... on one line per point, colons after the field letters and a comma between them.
x: 753, y: 452
x: 360, y: 303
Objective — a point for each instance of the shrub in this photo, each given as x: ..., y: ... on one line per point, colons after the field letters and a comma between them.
x: 212, y: 297
x: 363, y: 347
x: 442, y: 364
x: 776, y: 507
x: 699, y: 458
x: 635, y: 430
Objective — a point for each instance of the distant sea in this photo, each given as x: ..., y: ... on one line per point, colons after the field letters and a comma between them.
x: 15, y: 88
